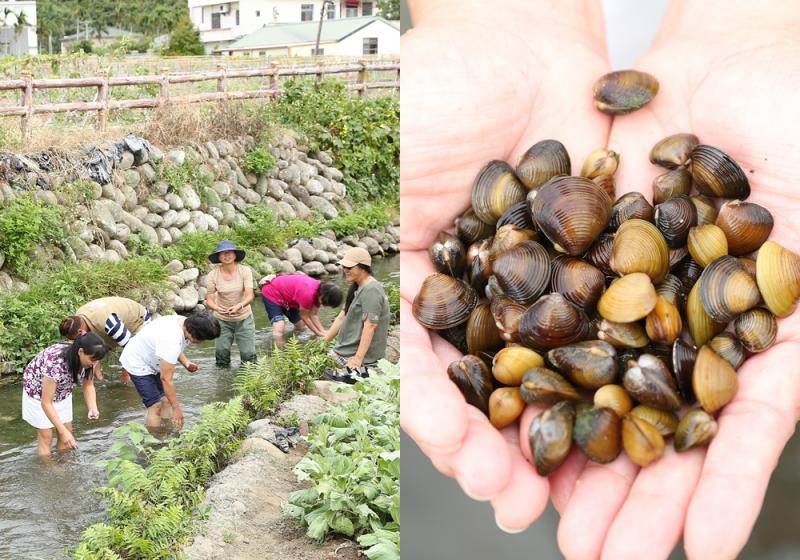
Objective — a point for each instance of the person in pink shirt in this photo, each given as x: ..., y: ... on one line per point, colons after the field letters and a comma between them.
x: 298, y: 297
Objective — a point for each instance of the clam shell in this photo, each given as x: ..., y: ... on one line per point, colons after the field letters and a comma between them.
x: 606, y: 182
x: 688, y: 272
x: 543, y: 161
x: 614, y: 397
x: 757, y: 329
x: 599, y: 254
x: 727, y: 289
x: 505, y: 406
x: 545, y: 386
x: 696, y: 428
x: 523, y: 272
x: 507, y: 315
x: 728, y: 347
x: 508, y: 237
x: 628, y: 299
x: 673, y: 150
x: 674, y: 218
x: 597, y: 432
x: 746, y: 226
x: 578, y: 281
x: 590, y: 364
x: 664, y: 421
x: 642, y: 441
x: 448, y: 254
x: 550, y: 437
x: 571, y: 212
x: 714, y: 173
x: 676, y: 256
x: 443, y: 302
x: 706, y: 211
x: 701, y: 325
x: 640, y: 247
x: 663, y: 323
x: 629, y: 206
x: 457, y: 336
x: 473, y: 379
x: 707, y: 243
x: 624, y: 91
x: 714, y: 380
x: 495, y: 190
x: 512, y: 362
x: 676, y: 182
x: 650, y: 382
x: 518, y: 214
x: 552, y: 322
x: 482, y: 333
x: 683, y: 358
x: 622, y: 335
x: 778, y: 275
x: 479, y: 264
x: 670, y: 289
x: 470, y: 228
x: 601, y: 162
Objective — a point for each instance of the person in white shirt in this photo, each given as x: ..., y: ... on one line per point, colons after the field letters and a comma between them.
x: 150, y: 358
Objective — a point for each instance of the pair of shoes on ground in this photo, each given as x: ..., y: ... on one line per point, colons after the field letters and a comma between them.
x: 347, y: 375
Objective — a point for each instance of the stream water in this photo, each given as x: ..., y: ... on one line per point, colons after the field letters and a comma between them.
x: 44, y: 507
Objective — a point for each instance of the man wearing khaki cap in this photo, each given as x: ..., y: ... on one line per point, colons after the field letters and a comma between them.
x: 363, y: 325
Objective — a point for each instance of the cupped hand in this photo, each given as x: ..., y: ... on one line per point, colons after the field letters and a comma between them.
x: 479, y: 86
x: 727, y: 73
x: 93, y: 414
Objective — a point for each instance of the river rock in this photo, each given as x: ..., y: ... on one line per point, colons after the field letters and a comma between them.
x: 321, y: 256
x: 160, y: 188
x: 140, y: 212
x: 156, y: 154
x: 324, y: 207
x: 131, y: 199
x: 314, y: 187
x: 147, y: 172
x: 222, y: 188
x: 176, y: 157
x: 290, y: 175
x: 212, y: 150
x: 127, y: 160
x: 287, y: 267
x: 174, y: 301
x: 304, y: 407
x: 216, y: 213
x: 158, y: 205
x: 174, y: 266
x: 313, y: 269
x: 122, y: 233
x: 261, y: 185
x: 169, y: 218
x: 148, y: 234
x: 239, y: 203
x: 118, y: 247
x: 183, y: 218
x: 132, y: 178
x: 164, y: 238
x: 153, y: 220
x: 212, y: 198
x: 338, y: 189
x: 333, y: 174
x: 276, y: 188
x: 372, y: 246
x: 189, y: 296
x: 96, y: 253
x: 211, y: 221
x: 323, y: 157
x: 251, y: 196
x: 189, y: 228
x: 111, y: 255
x: 294, y: 256
x: 173, y: 200
x: 175, y: 233
x: 2, y: 258
x: 189, y: 274
x: 306, y: 249
x: 190, y: 198
x: 228, y: 213
x: 199, y: 220
x: 325, y: 391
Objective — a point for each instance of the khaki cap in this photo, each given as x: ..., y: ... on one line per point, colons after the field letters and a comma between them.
x: 355, y: 256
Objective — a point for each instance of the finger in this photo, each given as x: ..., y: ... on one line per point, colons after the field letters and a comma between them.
x: 753, y: 429
x: 650, y: 523
x: 595, y: 500
x: 563, y: 480
x: 524, y: 499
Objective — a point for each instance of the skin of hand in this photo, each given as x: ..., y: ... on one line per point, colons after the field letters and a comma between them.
x: 167, y: 371
x: 48, y: 394
x: 461, y: 109
x: 125, y: 377
x: 723, y: 70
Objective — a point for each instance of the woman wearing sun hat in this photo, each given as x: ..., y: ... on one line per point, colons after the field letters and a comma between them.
x: 230, y: 292
x: 363, y: 325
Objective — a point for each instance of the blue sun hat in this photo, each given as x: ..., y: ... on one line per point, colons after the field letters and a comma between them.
x: 226, y: 245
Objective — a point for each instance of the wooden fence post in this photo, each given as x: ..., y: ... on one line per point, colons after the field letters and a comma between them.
x: 221, y: 79
x: 320, y: 72
x: 102, y: 97
x: 27, y: 102
x: 273, y: 81
x: 163, y: 91
x: 398, y: 80
x: 362, y: 75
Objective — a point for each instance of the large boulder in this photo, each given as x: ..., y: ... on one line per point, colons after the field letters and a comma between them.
x: 313, y: 269
x: 173, y: 200
x: 294, y: 256
x: 324, y: 207
x: 190, y: 198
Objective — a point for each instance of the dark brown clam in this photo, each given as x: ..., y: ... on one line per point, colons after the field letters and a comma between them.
x: 550, y: 437
x: 571, y: 212
x: 495, y: 190
x: 523, y: 272
x: 545, y: 386
x: 543, y: 161
x: 675, y: 182
x: 714, y: 380
x: 443, y: 302
x: 507, y: 315
x: 688, y: 272
x: 448, y: 254
x: 552, y: 322
x: 589, y: 364
x: 597, y: 432
x: 683, y: 358
x: 518, y: 214
x: 601, y: 162
x: 650, y: 382
x: 505, y: 406
x: 674, y: 218
x: 728, y: 347
x: 482, y: 333
x: 493, y: 289
x: 470, y: 228
x: 664, y: 420
x: 628, y: 206
x: 624, y: 91
x: 746, y: 225
x: 727, y: 289
x: 606, y: 182
x: 673, y: 150
x: 671, y: 289
x: 457, y: 336
x: 640, y: 247
x: 706, y: 211
x: 642, y: 441
x: 622, y: 335
x: 676, y: 256
x: 479, y: 264
x: 714, y: 173
x: 473, y: 379
x: 628, y: 299
x: 511, y: 363
x: 599, y: 254
x: 508, y: 237
x: 578, y: 281
x: 757, y: 329
x: 696, y: 428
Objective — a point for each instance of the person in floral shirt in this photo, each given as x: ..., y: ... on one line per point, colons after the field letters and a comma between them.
x: 47, y: 389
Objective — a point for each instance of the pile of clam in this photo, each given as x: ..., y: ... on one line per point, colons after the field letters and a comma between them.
x: 627, y: 319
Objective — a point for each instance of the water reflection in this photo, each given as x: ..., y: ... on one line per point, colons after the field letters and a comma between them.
x: 44, y: 506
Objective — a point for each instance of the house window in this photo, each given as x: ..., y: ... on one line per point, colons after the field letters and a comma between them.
x: 215, y: 21
x: 331, y: 14
x: 258, y: 13
x: 366, y: 9
x: 262, y: 53
x: 370, y: 45
x: 237, y: 17
x: 306, y: 12
x: 351, y: 12
x: 317, y: 52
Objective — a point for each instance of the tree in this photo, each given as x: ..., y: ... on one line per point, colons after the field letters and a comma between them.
x: 389, y: 9
x: 185, y: 39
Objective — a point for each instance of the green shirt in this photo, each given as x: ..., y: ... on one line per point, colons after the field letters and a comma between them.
x: 369, y: 303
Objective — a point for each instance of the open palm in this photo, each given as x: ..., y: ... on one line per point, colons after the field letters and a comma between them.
x: 460, y: 111
x: 731, y: 90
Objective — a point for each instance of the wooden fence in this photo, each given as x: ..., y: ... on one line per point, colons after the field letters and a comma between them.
x: 103, y: 102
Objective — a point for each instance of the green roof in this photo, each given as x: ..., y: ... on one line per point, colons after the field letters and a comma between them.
x: 280, y: 34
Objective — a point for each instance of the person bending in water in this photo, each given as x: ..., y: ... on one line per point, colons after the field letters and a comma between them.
x: 48, y: 381
x: 150, y: 358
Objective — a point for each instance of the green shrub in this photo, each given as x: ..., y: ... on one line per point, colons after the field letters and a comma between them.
x: 258, y: 161
x: 393, y: 295
x: 365, y: 217
x: 25, y: 223
x: 188, y: 173
x: 353, y: 466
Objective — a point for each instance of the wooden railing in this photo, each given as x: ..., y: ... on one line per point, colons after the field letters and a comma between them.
x: 103, y: 101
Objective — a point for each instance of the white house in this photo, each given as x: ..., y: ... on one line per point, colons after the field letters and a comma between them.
x: 343, y: 37
x: 17, y: 37
x: 222, y: 23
